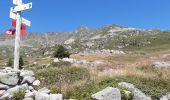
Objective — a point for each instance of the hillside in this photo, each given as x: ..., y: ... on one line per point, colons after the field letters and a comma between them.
x: 106, y: 57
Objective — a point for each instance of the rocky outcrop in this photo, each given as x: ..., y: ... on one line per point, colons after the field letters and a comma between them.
x: 12, y: 81
x: 108, y: 93
x: 126, y: 91
x: 161, y: 64
x: 137, y: 94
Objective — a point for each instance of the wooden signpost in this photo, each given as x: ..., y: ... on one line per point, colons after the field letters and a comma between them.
x: 15, y: 14
x: 24, y: 21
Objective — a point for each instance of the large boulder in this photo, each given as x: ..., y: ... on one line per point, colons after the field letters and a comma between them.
x: 44, y: 90
x: 108, y: 93
x: 3, y: 86
x: 9, y: 78
x: 42, y: 96
x: 56, y: 97
x: 28, y: 79
x: 26, y: 73
x: 15, y: 89
x: 138, y: 95
x: 30, y: 94
x: 28, y: 99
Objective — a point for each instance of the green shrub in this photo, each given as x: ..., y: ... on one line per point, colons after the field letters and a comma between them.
x: 124, y: 96
x: 21, y: 62
x: 152, y: 87
x: 10, y: 62
x: 54, y: 77
x: 19, y: 95
x: 61, y: 52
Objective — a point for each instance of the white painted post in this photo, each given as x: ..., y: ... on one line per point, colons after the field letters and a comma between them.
x: 17, y: 38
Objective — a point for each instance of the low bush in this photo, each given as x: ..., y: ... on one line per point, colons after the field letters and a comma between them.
x: 19, y: 95
x: 152, y: 87
x: 61, y: 52
x: 55, y: 78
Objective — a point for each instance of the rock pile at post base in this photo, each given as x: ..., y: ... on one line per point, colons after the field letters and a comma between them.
x: 12, y: 81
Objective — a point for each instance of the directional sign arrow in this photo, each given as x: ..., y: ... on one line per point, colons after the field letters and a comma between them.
x: 22, y: 7
x: 24, y: 21
x: 15, y: 2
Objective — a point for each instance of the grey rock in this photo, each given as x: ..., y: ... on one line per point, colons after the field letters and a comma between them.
x: 2, y: 86
x: 165, y: 97
x: 138, y: 95
x: 56, y: 60
x: 2, y: 92
x: 108, y: 93
x: 31, y: 88
x: 28, y: 79
x: 28, y: 99
x: 10, y: 78
x: 30, y: 94
x: 5, y: 96
x: 42, y: 96
x: 162, y: 64
x: 12, y: 91
x: 26, y: 73
x: 44, y: 90
x: 36, y: 83
x: 56, y: 97
x: 15, y: 89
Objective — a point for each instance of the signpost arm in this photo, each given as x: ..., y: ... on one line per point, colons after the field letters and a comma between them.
x: 17, y: 38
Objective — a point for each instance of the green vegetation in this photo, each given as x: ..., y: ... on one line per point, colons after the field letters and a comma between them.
x: 141, y: 42
x: 21, y: 62
x: 9, y: 63
x: 19, y: 95
x: 124, y: 96
x: 153, y: 87
x: 61, y: 52
x: 55, y: 78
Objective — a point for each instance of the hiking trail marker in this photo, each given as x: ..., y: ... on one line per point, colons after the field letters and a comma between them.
x: 15, y: 14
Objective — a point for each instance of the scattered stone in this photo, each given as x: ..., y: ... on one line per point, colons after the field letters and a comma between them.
x: 108, y: 93
x: 71, y: 60
x: 56, y: 60
x: 36, y: 83
x: 31, y: 88
x: 35, y: 63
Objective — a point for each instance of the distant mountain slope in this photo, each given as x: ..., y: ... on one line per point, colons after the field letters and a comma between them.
x: 84, y: 38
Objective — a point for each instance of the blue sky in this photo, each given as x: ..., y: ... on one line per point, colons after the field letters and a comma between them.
x: 67, y: 15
